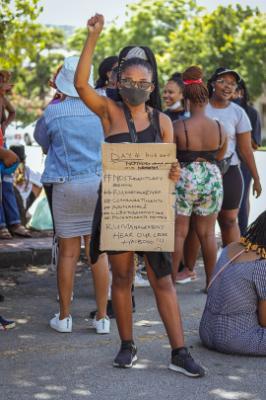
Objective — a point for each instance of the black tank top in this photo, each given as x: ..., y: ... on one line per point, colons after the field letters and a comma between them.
x: 189, y: 156
x: 152, y: 134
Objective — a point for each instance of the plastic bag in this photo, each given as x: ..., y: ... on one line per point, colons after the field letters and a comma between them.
x: 41, y: 218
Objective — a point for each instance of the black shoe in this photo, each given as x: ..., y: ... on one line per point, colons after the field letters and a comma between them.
x: 126, y: 356
x: 5, y: 324
x: 2, y: 298
x: 182, y: 361
x: 92, y: 314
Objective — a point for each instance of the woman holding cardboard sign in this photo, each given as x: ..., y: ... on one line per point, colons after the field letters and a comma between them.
x: 135, y: 119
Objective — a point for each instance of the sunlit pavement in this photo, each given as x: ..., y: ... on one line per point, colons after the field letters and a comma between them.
x: 38, y: 363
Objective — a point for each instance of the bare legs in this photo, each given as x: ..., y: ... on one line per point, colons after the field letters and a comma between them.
x: 229, y: 229
x: 191, y: 246
x: 69, y: 251
x: 100, y: 274
x: 205, y: 230
x: 168, y: 307
x: 201, y: 232
x: 229, y: 226
x: 123, y: 271
x: 181, y: 231
x: 166, y: 299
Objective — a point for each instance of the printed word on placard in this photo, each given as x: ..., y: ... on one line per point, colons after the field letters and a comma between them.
x: 137, y: 197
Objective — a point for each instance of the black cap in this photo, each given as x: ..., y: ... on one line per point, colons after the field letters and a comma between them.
x: 223, y: 70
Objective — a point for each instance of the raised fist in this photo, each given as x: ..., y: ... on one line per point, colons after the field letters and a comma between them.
x: 95, y: 24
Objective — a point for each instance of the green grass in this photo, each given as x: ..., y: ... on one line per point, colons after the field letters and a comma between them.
x: 262, y: 148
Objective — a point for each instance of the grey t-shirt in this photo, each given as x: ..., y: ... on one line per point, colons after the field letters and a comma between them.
x: 235, y: 121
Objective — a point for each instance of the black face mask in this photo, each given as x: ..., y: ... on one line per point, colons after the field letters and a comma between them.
x: 113, y: 94
x: 134, y: 96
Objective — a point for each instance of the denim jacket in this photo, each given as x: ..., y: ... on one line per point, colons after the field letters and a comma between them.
x: 71, y: 135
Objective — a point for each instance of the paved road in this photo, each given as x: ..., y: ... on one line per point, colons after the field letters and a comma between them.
x: 38, y: 363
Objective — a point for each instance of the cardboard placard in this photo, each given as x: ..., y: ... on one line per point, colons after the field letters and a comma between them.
x: 137, y: 197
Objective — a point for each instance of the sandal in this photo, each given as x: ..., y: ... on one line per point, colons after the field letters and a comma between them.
x: 5, y: 234
x: 20, y: 230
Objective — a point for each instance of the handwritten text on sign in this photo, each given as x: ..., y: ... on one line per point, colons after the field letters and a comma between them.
x: 137, y: 197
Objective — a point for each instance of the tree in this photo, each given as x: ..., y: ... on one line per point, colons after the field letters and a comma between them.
x: 17, y: 30
x: 28, y: 50
x: 181, y: 34
x: 251, y: 51
x: 149, y: 23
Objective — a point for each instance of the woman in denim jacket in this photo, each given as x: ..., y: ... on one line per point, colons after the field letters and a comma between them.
x: 71, y: 135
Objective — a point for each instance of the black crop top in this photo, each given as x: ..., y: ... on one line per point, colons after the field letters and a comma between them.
x: 149, y: 135
x: 189, y: 156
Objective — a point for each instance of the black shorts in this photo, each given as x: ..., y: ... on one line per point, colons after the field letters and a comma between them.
x: 233, y: 188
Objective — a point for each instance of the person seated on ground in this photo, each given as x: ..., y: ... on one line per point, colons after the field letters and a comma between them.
x: 8, y: 158
x: 9, y: 213
x: 234, y: 318
x: 27, y: 183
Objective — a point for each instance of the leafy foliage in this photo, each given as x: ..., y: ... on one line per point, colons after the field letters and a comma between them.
x: 28, y: 49
x: 178, y: 31
x: 182, y: 34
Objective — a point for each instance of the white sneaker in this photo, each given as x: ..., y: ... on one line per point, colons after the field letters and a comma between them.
x: 61, y: 325
x: 140, y: 281
x: 102, y: 326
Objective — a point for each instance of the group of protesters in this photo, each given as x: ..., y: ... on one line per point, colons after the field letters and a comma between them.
x: 211, y: 124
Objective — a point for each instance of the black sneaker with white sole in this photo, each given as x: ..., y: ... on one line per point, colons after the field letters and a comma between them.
x: 182, y: 361
x: 126, y: 356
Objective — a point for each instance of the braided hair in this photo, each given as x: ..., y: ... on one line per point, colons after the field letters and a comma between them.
x: 149, y: 63
x: 255, y: 237
x: 105, y: 67
x: 196, y: 91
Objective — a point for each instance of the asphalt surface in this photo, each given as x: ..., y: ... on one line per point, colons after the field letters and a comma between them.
x: 38, y: 363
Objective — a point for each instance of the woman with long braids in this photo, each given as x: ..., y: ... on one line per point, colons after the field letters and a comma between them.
x: 234, y: 319
x: 138, y: 87
x: 200, y: 143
